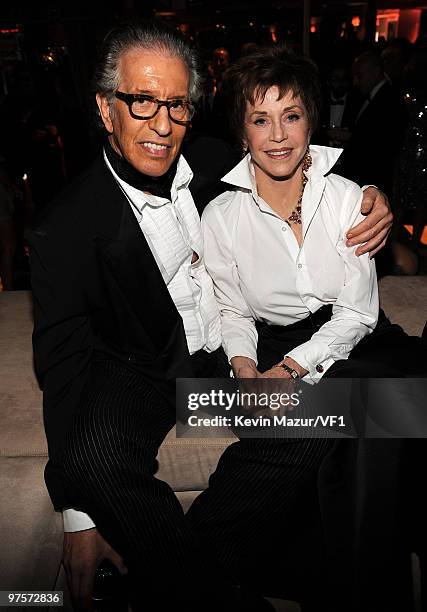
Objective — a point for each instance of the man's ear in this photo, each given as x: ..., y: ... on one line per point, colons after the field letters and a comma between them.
x: 105, y: 112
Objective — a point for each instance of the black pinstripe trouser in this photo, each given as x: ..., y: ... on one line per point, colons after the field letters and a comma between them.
x: 111, y: 463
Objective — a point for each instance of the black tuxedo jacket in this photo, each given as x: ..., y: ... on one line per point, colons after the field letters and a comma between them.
x: 353, y: 102
x: 97, y: 291
x: 376, y: 140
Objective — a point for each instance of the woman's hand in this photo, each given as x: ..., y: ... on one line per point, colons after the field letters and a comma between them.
x: 375, y: 229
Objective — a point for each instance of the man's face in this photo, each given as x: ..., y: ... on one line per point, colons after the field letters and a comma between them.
x: 365, y: 75
x: 149, y: 145
x: 339, y: 82
x: 221, y: 61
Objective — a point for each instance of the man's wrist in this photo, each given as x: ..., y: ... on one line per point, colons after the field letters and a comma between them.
x: 243, y: 365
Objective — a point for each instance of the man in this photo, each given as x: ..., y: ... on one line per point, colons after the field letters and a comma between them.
x: 340, y: 104
x: 123, y: 305
x: 377, y: 135
x: 395, y: 57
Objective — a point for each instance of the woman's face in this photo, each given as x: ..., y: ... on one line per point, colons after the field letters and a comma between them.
x: 277, y: 133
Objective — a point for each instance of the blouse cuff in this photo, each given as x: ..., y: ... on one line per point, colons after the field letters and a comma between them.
x: 317, y: 365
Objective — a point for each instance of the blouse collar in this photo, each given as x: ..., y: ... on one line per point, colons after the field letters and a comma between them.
x: 243, y: 175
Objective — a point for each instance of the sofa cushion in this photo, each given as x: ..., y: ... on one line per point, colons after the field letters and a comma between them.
x: 404, y: 300
x: 21, y: 433
x: 187, y: 463
x: 30, y: 531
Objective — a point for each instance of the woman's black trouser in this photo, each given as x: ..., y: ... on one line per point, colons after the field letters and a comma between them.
x: 353, y: 554
x: 362, y: 483
x: 258, y: 522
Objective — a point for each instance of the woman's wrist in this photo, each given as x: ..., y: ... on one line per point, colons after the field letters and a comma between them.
x: 294, y: 365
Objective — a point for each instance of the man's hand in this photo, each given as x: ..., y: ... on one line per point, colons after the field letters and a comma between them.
x: 83, y: 552
x: 375, y: 229
x: 244, y: 367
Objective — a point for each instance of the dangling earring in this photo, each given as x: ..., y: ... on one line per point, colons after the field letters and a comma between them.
x: 306, y: 161
x: 245, y: 149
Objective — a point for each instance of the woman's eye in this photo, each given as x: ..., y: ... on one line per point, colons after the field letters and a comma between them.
x: 293, y: 117
x: 260, y: 122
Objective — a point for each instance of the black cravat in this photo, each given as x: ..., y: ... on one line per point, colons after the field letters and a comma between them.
x: 156, y: 185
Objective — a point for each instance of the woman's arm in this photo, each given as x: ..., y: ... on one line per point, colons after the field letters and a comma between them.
x: 239, y: 334
x: 355, y: 311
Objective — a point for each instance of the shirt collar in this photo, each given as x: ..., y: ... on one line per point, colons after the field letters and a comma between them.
x: 342, y: 98
x: 139, y: 199
x: 243, y: 175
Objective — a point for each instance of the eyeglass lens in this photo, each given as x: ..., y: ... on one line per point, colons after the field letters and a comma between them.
x: 145, y: 107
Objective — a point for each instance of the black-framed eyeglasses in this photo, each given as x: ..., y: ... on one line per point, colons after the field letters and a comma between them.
x: 145, y: 107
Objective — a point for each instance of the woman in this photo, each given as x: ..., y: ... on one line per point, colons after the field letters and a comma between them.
x: 295, y: 301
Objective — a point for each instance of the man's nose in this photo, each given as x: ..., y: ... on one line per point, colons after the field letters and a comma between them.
x: 161, y: 122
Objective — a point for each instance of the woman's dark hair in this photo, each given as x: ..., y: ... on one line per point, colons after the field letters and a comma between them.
x: 252, y: 75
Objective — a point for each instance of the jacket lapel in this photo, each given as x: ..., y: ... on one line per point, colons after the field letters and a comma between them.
x: 126, y: 254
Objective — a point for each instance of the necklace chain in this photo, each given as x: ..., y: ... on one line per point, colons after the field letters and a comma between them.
x: 296, y: 216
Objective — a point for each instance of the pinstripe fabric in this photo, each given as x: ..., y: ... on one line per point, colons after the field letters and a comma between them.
x: 258, y: 521
x: 366, y: 561
x: 110, y: 463
x: 260, y: 492
x: 254, y: 514
x: 259, y: 516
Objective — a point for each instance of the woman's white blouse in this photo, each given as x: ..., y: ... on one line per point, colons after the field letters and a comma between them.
x: 260, y: 272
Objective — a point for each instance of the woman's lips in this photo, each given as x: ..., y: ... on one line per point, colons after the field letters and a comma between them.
x: 278, y: 153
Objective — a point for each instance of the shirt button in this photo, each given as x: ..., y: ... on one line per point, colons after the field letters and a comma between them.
x: 283, y: 228
x: 319, y: 368
x: 300, y: 266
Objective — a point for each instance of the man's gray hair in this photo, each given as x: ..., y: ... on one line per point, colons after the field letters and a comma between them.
x: 151, y: 37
